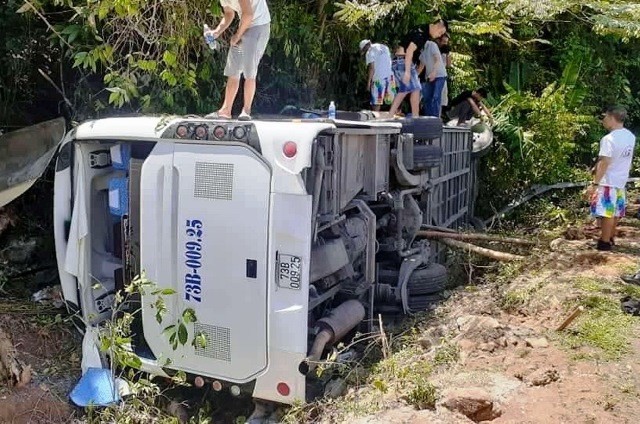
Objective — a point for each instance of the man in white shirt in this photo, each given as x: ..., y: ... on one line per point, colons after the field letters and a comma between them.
x: 607, y: 191
x: 381, y: 82
x: 246, y: 48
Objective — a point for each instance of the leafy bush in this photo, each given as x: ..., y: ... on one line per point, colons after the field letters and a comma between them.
x: 536, y: 142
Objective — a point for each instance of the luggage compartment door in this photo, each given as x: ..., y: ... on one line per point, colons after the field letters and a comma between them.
x: 218, y: 266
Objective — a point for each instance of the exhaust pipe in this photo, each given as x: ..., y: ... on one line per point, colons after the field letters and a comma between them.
x: 334, y: 327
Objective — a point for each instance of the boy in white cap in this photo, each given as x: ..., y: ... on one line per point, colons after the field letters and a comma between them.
x: 380, y: 82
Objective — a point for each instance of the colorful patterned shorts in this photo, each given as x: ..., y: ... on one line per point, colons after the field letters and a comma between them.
x: 608, y: 202
x: 383, y: 91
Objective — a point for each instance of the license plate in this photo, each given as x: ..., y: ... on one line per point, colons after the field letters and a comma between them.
x: 288, y: 269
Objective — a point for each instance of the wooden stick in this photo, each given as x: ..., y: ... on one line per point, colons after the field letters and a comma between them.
x: 385, y: 342
x: 474, y: 236
x: 437, y: 228
x: 493, y: 254
x: 570, y: 318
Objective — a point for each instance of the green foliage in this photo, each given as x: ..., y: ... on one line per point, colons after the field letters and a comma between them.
x: 23, y: 50
x: 423, y: 396
x: 536, y: 138
x: 447, y: 353
x: 115, y: 339
x: 549, y: 65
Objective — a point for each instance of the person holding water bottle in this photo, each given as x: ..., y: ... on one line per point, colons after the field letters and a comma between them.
x: 246, y: 48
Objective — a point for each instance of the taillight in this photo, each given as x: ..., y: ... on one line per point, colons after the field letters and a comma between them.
x: 290, y: 149
x: 219, y: 132
x: 283, y: 389
x: 239, y: 132
x: 201, y: 132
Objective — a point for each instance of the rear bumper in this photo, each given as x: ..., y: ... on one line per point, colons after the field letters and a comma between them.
x: 287, y: 321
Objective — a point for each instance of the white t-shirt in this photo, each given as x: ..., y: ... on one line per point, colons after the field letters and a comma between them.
x: 617, y: 145
x: 428, y: 57
x: 261, y: 13
x: 379, y: 55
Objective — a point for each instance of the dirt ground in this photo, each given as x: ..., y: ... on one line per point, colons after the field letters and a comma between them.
x: 48, y: 346
x: 491, y: 351
x: 509, y: 362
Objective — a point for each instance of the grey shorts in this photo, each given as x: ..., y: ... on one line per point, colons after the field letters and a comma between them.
x: 245, y: 56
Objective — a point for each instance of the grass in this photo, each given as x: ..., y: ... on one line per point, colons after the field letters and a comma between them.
x: 508, y: 271
x: 627, y: 269
x: 630, y: 290
x: 447, y: 353
x: 403, y: 374
x: 519, y: 297
x: 589, y: 284
x: 404, y: 366
x: 423, y: 396
x: 603, y: 326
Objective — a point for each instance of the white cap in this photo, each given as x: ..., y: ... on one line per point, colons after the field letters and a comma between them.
x: 364, y: 43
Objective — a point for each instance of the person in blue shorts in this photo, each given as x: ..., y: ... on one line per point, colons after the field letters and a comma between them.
x: 404, y: 69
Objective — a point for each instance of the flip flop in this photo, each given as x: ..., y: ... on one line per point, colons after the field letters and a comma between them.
x: 216, y: 115
x: 631, y: 279
x: 244, y: 116
x: 630, y: 305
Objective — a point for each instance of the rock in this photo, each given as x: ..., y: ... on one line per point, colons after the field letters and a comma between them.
x: 466, y: 345
x: 19, y: 251
x: 179, y: 411
x: 476, y: 404
x: 49, y: 296
x: 476, y: 322
x: 543, y: 377
x: 335, y: 388
x: 574, y: 233
x: 261, y: 412
x: 502, y: 341
x: 8, y: 218
x: 487, y: 347
x: 563, y: 245
x: 13, y: 373
x: 479, y: 328
x: 539, y: 342
x: 426, y: 343
x: 521, y: 331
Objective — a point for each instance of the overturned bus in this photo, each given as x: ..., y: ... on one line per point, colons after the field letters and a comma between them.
x: 282, y: 236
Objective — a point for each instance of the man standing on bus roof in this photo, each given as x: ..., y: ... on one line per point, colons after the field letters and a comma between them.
x: 246, y: 48
x: 436, y: 77
x: 380, y: 82
x: 405, y: 71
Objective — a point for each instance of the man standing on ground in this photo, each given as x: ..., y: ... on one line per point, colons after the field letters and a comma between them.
x: 405, y: 71
x: 246, y: 48
x: 380, y: 82
x: 436, y: 77
x: 607, y: 191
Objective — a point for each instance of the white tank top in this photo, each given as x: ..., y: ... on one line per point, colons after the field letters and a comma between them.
x: 261, y: 13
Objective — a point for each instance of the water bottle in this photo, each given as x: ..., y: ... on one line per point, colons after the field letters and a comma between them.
x: 332, y: 110
x: 209, y: 38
